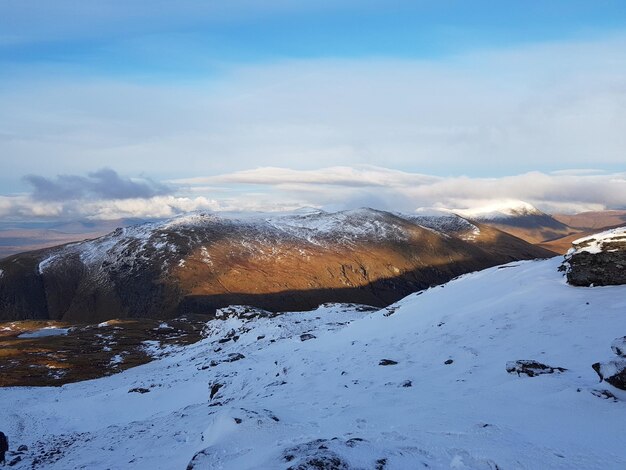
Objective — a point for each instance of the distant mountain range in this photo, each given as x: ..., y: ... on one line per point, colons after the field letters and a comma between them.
x: 201, y: 262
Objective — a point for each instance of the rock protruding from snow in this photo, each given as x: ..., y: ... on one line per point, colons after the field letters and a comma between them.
x: 243, y: 312
x: 598, y: 260
x: 618, y: 346
x: 612, y: 372
x: 531, y: 368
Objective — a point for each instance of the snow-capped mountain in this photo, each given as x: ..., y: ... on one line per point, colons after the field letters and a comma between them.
x: 200, y: 262
x: 518, y: 218
x: 491, y: 370
x: 500, y: 210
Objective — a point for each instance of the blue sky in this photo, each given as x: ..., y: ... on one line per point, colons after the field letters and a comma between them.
x: 207, y: 90
x: 193, y: 39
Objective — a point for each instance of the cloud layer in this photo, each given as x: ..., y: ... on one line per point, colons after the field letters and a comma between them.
x: 333, y: 188
x: 101, y: 184
x: 347, y: 187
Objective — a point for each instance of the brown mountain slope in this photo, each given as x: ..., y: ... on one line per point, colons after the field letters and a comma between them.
x: 593, y: 221
x: 532, y: 228
x: 198, y: 263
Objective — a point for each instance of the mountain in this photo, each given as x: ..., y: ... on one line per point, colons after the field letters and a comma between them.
x: 201, y: 262
x: 519, y: 219
x: 594, y: 220
x: 495, y: 369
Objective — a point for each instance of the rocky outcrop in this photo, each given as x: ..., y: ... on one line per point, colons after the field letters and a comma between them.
x: 598, y: 260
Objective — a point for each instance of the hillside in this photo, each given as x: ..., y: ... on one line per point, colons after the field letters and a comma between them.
x: 521, y: 220
x: 443, y: 379
x: 201, y: 262
x: 594, y: 220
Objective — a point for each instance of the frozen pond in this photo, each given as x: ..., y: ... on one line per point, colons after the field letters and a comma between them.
x: 44, y: 332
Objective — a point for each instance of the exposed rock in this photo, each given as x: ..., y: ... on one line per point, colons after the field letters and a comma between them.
x: 448, y: 362
x: 531, y: 368
x: 320, y: 454
x: 139, y: 390
x: 387, y: 362
x: 406, y: 384
x: 618, y: 346
x: 242, y: 311
x: 598, y: 260
x: 22, y: 448
x: 307, y: 336
x: 605, y: 394
x: 232, y: 357
x: 612, y: 372
x: 214, y: 389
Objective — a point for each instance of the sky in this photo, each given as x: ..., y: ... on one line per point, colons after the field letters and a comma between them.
x: 131, y: 108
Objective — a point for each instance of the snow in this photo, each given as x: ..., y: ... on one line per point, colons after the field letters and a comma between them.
x: 289, y: 398
x: 346, y: 226
x: 499, y: 209
x: 117, y: 359
x: 44, y: 332
x: 599, y: 242
x: 444, y: 222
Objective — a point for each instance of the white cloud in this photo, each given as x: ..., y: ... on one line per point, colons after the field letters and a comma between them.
x: 342, y: 187
x: 276, y: 189
x: 24, y: 207
x: 488, y: 113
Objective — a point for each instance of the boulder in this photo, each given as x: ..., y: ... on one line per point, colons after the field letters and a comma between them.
x: 612, y: 372
x: 387, y: 362
x: 597, y: 260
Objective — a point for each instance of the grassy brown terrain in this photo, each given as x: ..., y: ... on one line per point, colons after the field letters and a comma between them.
x: 87, y: 351
x: 594, y: 221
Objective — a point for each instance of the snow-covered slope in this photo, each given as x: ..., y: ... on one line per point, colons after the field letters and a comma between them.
x: 278, y: 392
x: 445, y: 222
x: 500, y: 210
x: 519, y: 219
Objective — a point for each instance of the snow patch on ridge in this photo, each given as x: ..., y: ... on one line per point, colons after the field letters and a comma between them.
x: 599, y: 242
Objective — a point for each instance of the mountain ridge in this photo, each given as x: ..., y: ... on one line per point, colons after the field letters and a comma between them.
x: 200, y: 262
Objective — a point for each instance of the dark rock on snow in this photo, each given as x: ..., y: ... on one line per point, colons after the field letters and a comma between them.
x: 612, y: 372
x: 531, y: 368
x: 387, y: 362
x: 618, y: 346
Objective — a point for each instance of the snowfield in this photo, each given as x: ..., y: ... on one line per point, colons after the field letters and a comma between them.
x: 279, y: 392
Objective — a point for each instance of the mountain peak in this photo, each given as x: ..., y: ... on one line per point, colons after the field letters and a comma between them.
x: 500, y: 209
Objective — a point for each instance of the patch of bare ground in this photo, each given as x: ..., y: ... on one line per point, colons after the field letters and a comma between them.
x: 86, y: 351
